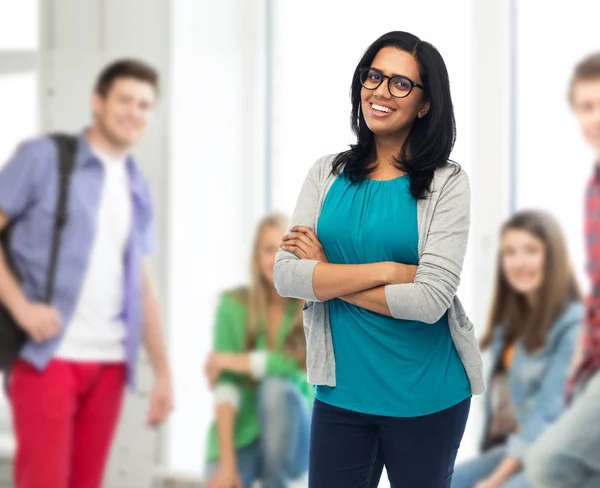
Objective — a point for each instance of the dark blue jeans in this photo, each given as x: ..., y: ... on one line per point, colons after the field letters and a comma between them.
x: 349, y: 449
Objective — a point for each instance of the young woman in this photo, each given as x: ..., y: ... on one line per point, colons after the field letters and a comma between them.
x: 389, y: 345
x: 259, y: 376
x: 534, y: 326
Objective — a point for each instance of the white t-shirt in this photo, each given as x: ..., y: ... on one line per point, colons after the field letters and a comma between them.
x: 97, y: 331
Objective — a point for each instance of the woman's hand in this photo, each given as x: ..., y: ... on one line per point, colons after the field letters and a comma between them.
x: 487, y: 483
x: 213, y: 368
x: 509, y: 467
x: 303, y: 242
x: 221, y: 362
x: 398, y: 273
x: 225, y: 477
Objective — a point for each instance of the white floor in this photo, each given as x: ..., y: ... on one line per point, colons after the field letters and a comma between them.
x: 7, y: 446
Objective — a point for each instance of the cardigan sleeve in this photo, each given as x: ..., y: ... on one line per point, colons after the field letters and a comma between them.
x: 438, y: 275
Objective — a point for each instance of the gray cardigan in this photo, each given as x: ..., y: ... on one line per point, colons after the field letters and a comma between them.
x: 443, y: 223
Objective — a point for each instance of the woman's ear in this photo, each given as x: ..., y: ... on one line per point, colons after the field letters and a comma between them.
x: 424, y: 110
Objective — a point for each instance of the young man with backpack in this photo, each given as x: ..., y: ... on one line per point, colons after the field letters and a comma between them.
x: 75, y: 279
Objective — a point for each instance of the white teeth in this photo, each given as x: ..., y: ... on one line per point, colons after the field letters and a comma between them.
x: 381, y: 108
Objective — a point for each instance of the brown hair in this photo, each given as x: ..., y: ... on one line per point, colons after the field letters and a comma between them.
x: 587, y: 69
x: 125, y: 68
x: 258, y: 297
x: 510, y: 308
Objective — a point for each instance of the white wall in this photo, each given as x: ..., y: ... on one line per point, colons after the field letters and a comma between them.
x: 18, y: 25
x: 216, y: 191
x: 19, y: 115
x: 553, y: 161
x: 490, y: 172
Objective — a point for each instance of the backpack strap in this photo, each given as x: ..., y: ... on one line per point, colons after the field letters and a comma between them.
x: 67, y: 149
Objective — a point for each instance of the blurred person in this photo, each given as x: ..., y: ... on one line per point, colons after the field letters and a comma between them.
x: 66, y: 390
x: 258, y: 370
x: 393, y: 355
x: 568, y: 454
x: 534, y: 326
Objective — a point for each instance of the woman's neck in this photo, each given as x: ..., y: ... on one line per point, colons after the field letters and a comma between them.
x: 387, y: 149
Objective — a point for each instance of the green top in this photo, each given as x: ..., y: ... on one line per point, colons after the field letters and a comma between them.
x: 230, y: 337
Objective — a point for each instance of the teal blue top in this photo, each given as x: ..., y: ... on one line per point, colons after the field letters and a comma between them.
x: 384, y: 366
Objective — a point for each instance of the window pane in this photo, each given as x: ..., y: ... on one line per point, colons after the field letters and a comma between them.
x: 18, y: 118
x: 19, y: 24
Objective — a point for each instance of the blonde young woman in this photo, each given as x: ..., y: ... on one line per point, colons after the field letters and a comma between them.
x: 258, y: 373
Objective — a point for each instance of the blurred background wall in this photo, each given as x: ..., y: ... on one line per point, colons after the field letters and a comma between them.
x: 241, y: 120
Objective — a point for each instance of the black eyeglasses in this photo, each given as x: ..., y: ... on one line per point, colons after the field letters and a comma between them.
x: 399, y: 86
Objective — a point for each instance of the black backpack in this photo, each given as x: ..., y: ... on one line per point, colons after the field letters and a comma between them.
x: 13, y: 337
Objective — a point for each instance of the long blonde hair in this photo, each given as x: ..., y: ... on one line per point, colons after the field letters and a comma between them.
x: 258, y: 298
x: 559, y: 286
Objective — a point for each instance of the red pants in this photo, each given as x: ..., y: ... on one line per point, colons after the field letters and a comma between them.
x: 64, y: 420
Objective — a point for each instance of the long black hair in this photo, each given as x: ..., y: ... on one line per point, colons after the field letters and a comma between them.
x: 431, y: 138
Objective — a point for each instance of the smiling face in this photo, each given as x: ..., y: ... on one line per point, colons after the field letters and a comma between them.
x: 123, y: 114
x: 585, y: 100
x: 384, y: 114
x: 523, y: 261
